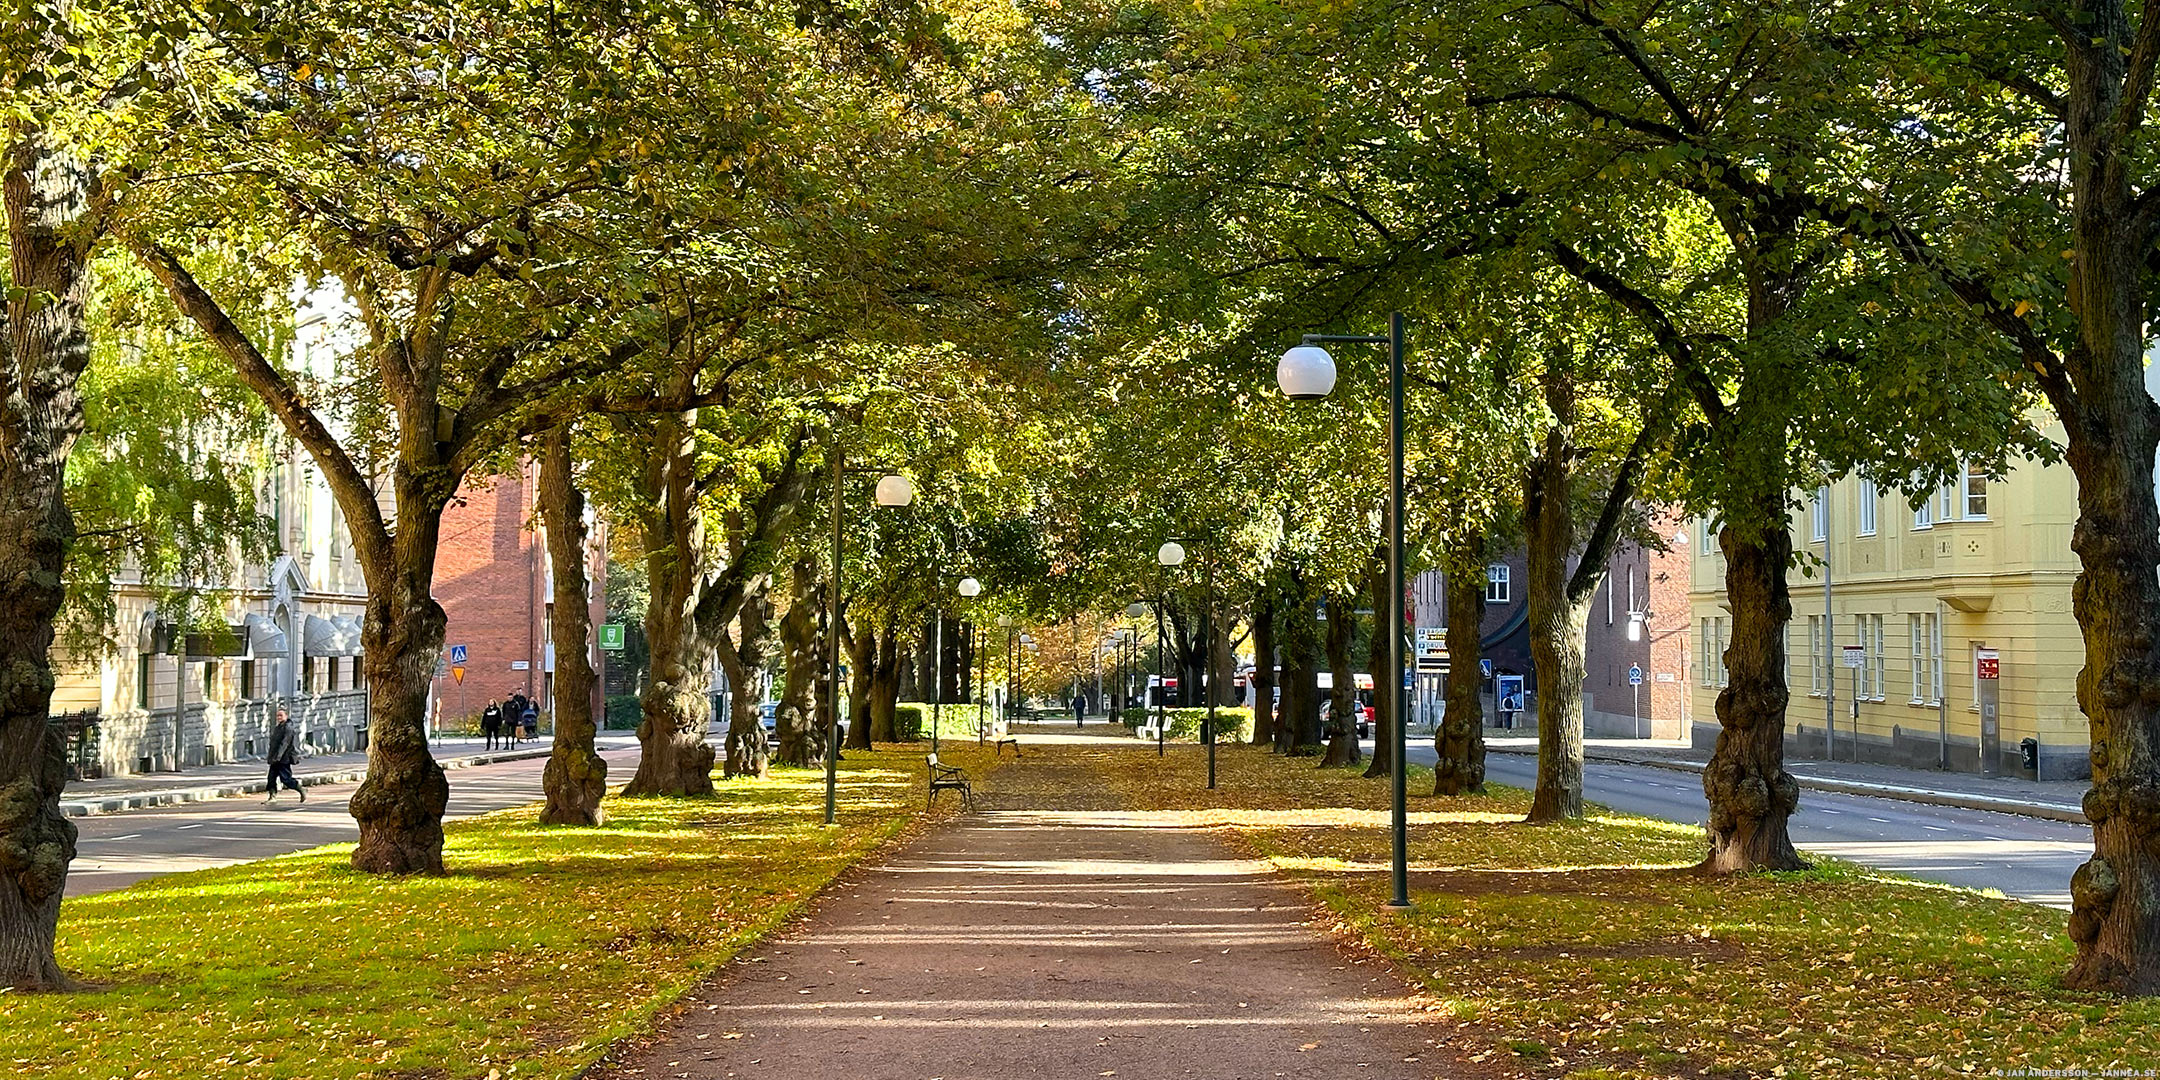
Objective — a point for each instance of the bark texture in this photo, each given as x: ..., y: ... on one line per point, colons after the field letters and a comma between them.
x: 44, y: 348
x: 575, y: 779
x: 1342, y: 741
x: 1556, y: 619
x: 744, y: 657
x: 1384, y: 705
x: 1751, y: 795
x: 1298, y: 732
x: 802, y: 742
x: 1461, y: 740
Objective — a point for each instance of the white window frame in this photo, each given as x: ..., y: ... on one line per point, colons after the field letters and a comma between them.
x: 1815, y: 655
x: 1821, y: 516
x: 1966, y: 479
x: 1916, y: 644
x: 1946, y: 503
x: 1496, y: 574
x: 1881, y: 661
x: 1869, y: 495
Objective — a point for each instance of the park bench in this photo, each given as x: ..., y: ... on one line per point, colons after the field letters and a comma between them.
x: 1005, y: 741
x: 949, y: 778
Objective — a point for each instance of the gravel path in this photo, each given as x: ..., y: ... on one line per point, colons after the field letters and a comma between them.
x: 1048, y: 935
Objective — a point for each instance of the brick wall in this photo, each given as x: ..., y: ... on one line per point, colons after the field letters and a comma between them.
x: 490, y: 577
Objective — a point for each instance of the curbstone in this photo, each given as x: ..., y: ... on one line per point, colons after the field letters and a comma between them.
x: 143, y: 800
x: 1959, y: 800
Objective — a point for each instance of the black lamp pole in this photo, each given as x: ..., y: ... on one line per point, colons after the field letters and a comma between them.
x: 1392, y: 610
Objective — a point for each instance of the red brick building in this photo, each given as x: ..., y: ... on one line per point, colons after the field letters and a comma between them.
x: 493, y: 579
x: 1650, y: 589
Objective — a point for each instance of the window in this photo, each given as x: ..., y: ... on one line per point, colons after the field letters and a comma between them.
x: 307, y: 674
x: 210, y: 680
x: 1815, y: 654
x: 1879, y: 660
x: 1822, y: 514
x: 142, y: 680
x: 1702, y: 663
x: 331, y: 682
x: 247, y: 680
x: 1724, y: 677
x: 1496, y: 584
x: 1974, y: 487
x: 356, y: 673
x: 1923, y: 516
x: 1925, y: 638
x: 1868, y: 497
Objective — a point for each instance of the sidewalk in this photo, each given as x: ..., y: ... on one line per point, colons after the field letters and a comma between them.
x: 1050, y: 935
x: 2056, y: 800
x: 86, y: 797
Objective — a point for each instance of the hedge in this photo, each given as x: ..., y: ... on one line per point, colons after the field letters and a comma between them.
x: 622, y: 712
x: 1185, y: 723
x: 911, y: 721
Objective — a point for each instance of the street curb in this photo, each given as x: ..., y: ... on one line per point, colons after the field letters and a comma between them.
x: 171, y: 796
x: 2048, y: 811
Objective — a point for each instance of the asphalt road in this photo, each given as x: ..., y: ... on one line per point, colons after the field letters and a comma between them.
x: 117, y: 850
x: 2029, y: 859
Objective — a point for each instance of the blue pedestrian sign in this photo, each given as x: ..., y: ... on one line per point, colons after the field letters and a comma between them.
x: 457, y: 654
x: 1484, y: 667
x: 1407, y: 675
x: 1634, y: 675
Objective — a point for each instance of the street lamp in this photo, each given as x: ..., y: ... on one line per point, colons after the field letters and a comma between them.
x: 1172, y: 553
x: 892, y: 490
x: 970, y: 589
x: 1307, y: 373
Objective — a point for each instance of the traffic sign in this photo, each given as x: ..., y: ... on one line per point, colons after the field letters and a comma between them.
x: 457, y: 671
x: 1855, y: 656
x: 457, y: 654
x: 1990, y: 663
x: 1484, y: 667
x: 1634, y: 675
x: 611, y: 636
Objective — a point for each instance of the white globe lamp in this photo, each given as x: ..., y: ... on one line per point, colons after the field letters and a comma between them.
x: 1171, y: 553
x: 1306, y: 373
x: 895, y: 491
x: 970, y: 587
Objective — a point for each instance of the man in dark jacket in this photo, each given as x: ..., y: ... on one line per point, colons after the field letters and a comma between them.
x: 284, y: 750
x: 491, y: 720
x: 1079, y: 710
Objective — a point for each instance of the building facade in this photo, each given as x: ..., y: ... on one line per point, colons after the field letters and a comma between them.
x: 497, y: 586
x: 1638, y: 623
x: 1899, y: 610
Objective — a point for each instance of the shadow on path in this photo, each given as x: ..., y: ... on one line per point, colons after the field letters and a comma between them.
x: 1049, y: 935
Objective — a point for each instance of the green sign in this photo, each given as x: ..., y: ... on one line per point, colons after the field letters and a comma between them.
x: 611, y: 636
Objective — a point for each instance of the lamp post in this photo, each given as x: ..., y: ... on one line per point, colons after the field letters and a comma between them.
x: 892, y: 490
x: 969, y: 590
x: 1133, y: 674
x: 1173, y: 554
x: 1307, y: 373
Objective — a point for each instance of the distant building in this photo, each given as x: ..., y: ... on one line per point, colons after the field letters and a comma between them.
x: 1644, y: 587
x: 494, y: 581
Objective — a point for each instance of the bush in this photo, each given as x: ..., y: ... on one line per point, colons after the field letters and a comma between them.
x: 622, y: 713
x: 911, y: 721
x: 1185, y: 723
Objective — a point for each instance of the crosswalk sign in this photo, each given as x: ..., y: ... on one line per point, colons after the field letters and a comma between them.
x: 457, y: 654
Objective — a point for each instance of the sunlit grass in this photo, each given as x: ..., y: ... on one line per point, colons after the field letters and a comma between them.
x: 1590, y: 950
x: 541, y: 947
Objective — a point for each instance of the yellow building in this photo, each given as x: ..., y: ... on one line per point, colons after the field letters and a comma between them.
x: 1982, y: 567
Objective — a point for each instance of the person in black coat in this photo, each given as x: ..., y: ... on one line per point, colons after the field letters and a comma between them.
x: 491, y: 722
x: 284, y: 750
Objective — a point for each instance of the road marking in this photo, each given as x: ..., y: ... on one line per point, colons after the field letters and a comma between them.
x: 197, y: 825
x: 1881, y: 820
x: 1827, y: 810
x: 1934, y: 828
x: 114, y: 839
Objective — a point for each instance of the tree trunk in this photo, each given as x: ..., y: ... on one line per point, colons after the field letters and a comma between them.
x: 1461, y: 741
x: 401, y: 803
x: 575, y: 779
x: 862, y: 641
x: 44, y: 348
x: 1383, y: 758
x: 1556, y: 621
x: 1751, y: 795
x: 744, y: 656
x: 802, y: 742
x: 1263, y: 676
x: 885, y: 692
x: 676, y: 760
x: 1299, y: 733
x: 1342, y: 741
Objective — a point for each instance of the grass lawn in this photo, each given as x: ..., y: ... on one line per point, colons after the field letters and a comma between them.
x: 541, y: 947
x: 1588, y: 951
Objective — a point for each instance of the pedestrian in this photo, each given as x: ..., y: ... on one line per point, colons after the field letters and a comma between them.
x: 491, y: 720
x: 284, y: 750
x: 1079, y: 710
x: 531, y: 721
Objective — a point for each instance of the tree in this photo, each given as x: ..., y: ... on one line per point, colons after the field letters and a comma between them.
x: 575, y: 779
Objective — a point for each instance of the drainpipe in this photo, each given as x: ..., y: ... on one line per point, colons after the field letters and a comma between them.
x: 1829, y: 619
x: 1942, y: 701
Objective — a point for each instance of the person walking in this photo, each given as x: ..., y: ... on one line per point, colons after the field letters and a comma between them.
x: 530, y: 720
x: 1079, y: 710
x: 284, y: 750
x: 491, y: 719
